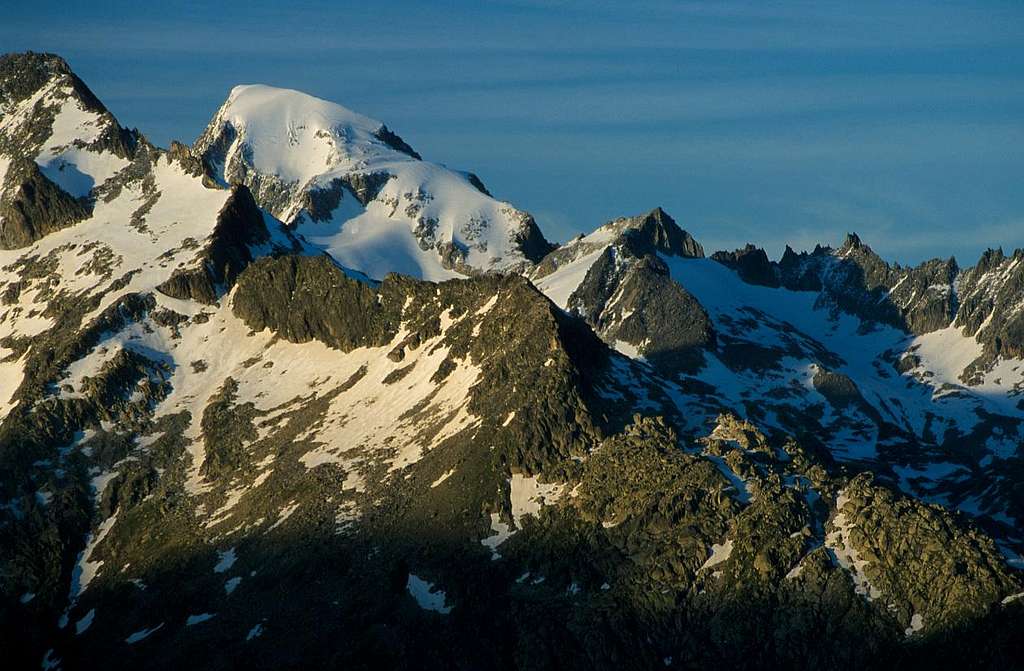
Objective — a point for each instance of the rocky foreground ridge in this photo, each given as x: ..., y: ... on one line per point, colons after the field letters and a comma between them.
x: 243, y: 423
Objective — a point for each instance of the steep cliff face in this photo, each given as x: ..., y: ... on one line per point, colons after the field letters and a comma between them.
x: 752, y: 264
x: 615, y: 280
x: 240, y: 227
x: 855, y: 280
x: 32, y: 206
x: 991, y: 306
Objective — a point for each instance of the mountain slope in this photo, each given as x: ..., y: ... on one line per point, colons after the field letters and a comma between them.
x: 455, y: 454
x: 872, y: 363
x: 221, y: 446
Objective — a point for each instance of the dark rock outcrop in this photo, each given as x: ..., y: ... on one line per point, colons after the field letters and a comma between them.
x: 478, y: 183
x: 926, y: 295
x: 22, y: 74
x: 628, y: 294
x: 32, y: 206
x: 391, y: 139
x: 239, y: 225
x: 532, y: 241
x: 751, y: 263
x: 182, y: 154
x: 650, y: 310
x: 990, y: 298
x: 656, y: 232
x: 838, y: 388
x: 855, y: 280
x: 799, y: 272
x: 310, y: 298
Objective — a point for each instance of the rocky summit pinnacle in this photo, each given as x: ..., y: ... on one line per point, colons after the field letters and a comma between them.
x: 21, y: 75
x: 244, y: 424
x: 852, y: 241
x: 657, y: 231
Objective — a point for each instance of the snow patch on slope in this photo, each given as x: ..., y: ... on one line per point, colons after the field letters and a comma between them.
x: 85, y: 569
x: 841, y: 548
x: 559, y: 285
x: 371, y: 241
x: 63, y: 157
x: 367, y: 417
x: 427, y: 596
x: 528, y: 494
x: 720, y: 552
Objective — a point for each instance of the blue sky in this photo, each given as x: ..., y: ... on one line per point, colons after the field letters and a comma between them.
x: 748, y: 121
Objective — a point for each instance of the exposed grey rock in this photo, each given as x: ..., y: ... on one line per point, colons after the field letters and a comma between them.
x: 183, y: 155
x: 628, y: 296
x: 656, y: 231
x: 927, y: 295
x: 32, y: 206
x: 751, y: 263
x: 839, y: 389
x: 991, y: 295
x: 391, y: 139
x: 855, y: 280
x: 530, y: 240
x: 634, y: 300
x: 309, y: 298
x: 240, y: 225
x: 478, y: 183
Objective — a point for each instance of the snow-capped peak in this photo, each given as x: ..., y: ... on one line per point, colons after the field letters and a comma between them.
x: 352, y: 186
x: 297, y: 137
